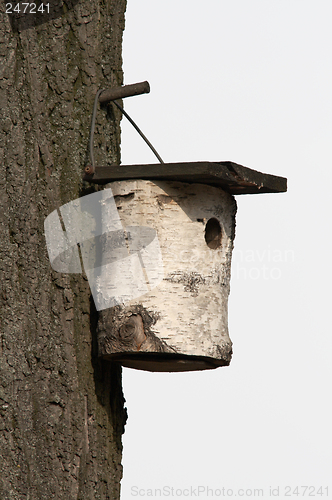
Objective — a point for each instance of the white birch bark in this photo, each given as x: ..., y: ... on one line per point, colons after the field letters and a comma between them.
x: 186, y: 313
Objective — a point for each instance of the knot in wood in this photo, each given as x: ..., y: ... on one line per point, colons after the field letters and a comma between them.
x: 132, y: 331
x: 127, y: 331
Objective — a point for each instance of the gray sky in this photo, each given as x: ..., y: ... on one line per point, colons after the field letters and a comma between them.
x: 248, y: 82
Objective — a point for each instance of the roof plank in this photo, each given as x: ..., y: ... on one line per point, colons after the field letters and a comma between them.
x: 231, y: 177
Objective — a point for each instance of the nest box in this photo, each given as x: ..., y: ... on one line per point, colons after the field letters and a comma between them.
x: 179, y: 224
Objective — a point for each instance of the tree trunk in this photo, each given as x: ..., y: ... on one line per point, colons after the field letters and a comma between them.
x: 61, y: 408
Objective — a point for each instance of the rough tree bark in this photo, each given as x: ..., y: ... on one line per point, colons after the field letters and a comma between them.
x: 61, y: 409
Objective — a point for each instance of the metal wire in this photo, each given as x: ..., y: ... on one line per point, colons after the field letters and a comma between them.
x: 139, y: 131
x: 92, y: 129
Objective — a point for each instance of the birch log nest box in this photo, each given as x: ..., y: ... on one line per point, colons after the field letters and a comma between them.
x: 180, y: 322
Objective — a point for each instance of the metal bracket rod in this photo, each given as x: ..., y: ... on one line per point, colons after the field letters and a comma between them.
x: 110, y: 95
x: 125, y: 91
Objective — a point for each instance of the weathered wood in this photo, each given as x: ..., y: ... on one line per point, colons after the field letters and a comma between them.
x: 231, y: 177
x: 180, y: 324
